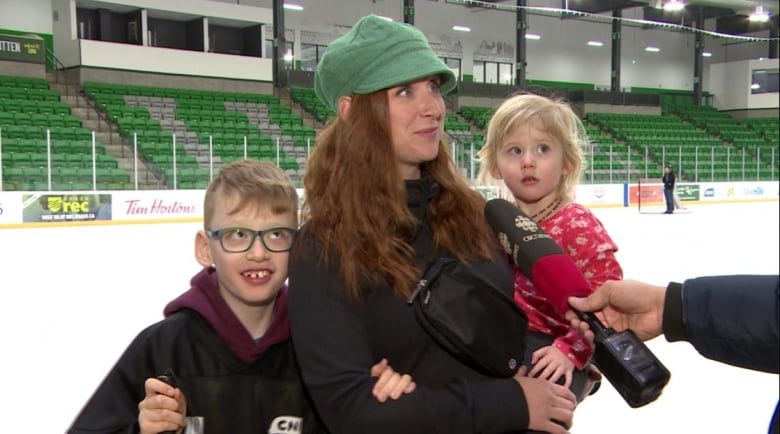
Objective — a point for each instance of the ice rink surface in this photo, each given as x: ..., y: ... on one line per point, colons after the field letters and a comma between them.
x: 74, y: 297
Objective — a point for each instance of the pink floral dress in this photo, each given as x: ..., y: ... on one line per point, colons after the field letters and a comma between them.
x: 583, y: 237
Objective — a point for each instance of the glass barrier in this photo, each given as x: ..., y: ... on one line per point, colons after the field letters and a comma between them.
x: 43, y: 161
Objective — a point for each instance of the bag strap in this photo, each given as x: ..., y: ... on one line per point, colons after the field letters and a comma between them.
x: 430, y: 273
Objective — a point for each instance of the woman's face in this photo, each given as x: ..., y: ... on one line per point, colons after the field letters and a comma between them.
x: 416, y: 112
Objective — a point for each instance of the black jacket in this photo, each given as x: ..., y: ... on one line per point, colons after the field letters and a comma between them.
x: 731, y: 319
x: 337, y: 340
x: 668, y: 180
x: 232, y: 396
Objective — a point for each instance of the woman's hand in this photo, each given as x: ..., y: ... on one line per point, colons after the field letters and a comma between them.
x: 390, y: 383
x: 550, y: 405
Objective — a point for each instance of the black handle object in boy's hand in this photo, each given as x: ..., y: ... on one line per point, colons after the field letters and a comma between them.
x: 622, y: 357
x: 169, y: 378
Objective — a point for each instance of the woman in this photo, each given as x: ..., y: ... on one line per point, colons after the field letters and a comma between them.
x: 382, y: 201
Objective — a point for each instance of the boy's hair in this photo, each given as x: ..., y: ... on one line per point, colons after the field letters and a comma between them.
x: 255, y: 183
x: 554, y: 116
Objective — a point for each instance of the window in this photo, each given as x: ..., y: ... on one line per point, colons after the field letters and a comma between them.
x: 479, y: 71
x: 493, y: 72
x: 505, y: 73
x: 764, y: 81
x: 311, y: 55
x: 454, y: 65
x: 269, y: 48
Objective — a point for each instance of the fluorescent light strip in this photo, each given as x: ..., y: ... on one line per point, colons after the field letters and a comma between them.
x: 459, y: 28
x: 759, y: 16
x: 293, y: 7
x: 706, y: 54
x: 673, y: 5
x: 595, y: 43
x: 533, y: 36
x: 652, y: 49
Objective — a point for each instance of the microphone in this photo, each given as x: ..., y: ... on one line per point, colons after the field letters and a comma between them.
x: 169, y: 378
x: 622, y: 357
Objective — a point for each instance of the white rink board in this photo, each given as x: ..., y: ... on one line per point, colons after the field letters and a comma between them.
x: 76, y: 296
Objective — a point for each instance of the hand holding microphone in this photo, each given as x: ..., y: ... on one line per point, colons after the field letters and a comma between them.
x: 627, y: 363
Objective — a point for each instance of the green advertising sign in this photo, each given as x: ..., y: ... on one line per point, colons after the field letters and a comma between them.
x: 22, y: 48
x: 688, y: 191
x: 66, y: 207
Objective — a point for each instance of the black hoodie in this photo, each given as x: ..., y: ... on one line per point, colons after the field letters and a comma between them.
x: 232, y: 383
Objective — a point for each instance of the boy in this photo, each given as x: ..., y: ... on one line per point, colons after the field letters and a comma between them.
x: 225, y: 341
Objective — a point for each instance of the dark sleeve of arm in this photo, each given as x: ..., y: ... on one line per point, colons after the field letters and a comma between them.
x: 114, y: 405
x: 731, y: 319
x: 333, y: 348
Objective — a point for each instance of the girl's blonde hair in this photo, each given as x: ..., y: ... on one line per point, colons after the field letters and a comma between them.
x: 554, y: 116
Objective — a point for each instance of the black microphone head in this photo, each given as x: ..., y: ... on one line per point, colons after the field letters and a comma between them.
x: 519, y: 235
x: 499, y: 212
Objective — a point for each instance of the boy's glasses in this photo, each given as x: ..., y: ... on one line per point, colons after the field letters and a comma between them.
x: 239, y: 240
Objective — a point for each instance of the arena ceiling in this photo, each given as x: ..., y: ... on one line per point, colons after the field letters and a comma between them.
x: 731, y: 15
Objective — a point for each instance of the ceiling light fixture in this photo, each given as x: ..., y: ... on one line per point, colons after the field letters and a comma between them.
x: 293, y: 7
x: 532, y: 36
x: 706, y: 54
x: 459, y: 28
x: 652, y: 49
x: 759, y: 16
x: 595, y: 43
x: 673, y: 6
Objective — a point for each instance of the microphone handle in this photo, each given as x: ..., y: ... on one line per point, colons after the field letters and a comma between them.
x: 169, y: 378
x: 622, y: 357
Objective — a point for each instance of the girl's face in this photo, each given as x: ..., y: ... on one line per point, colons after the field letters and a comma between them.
x: 530, y: 161
x: 416, y: 112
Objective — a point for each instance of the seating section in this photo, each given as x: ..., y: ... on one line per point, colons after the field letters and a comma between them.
x: 308, y: 99
x: 183, y: 136
x: 766, y: 128
x: 720, y: 125
x: 479, y: 116
x: 209, y: 129
x: 44, y: 147
x: 698, y: 154
x: 706, y: 144
x: 606, y: 159
x: 752, y: 142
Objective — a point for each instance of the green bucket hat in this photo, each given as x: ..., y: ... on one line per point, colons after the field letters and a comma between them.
x: 377, y: 54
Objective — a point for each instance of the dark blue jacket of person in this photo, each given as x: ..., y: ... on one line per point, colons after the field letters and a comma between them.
x: 731, y: 319
x: 668, y: 180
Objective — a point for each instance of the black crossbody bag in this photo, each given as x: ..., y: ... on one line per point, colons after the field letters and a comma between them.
x: 468, y: 316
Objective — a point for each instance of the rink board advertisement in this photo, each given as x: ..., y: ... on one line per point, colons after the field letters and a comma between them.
x: 65, y: 207
x: 10, y: 208
x: 653, y: 193
x: 688, y: 192
x: 20, y: 209
x: 646, y: 195
x: 726, y: 191
x: 158, y: 206
x: 600, y: 194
